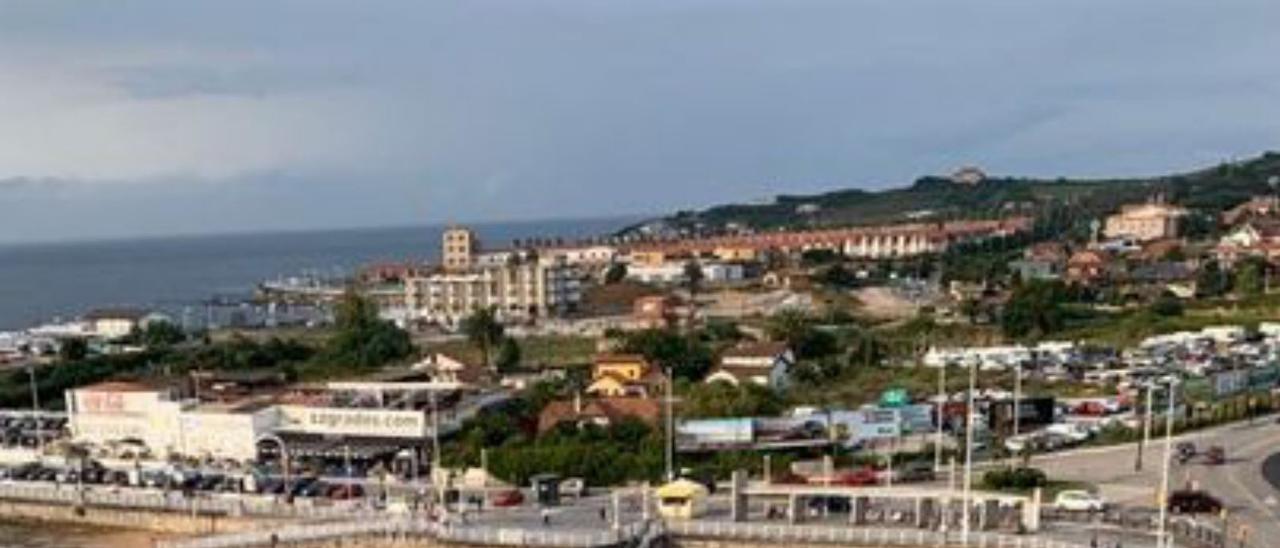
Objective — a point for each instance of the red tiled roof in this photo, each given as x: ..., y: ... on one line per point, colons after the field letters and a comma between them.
x: 611, y: 409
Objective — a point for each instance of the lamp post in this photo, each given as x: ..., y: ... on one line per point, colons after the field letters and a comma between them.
x: 670, y: 426
x: 1146, y: 430
x: 1161, y: 538
x: 1017, y: 398
x: 968, y: 455
x: 940, y: 409
x: 35, y: 408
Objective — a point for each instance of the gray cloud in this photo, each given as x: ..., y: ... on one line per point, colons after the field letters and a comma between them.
x: 245, y: 113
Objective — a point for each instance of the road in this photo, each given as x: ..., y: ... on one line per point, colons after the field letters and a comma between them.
x: 1240, y: 482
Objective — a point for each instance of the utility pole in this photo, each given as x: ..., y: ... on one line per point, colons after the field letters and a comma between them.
x: 939, y: 416
x: 435, y: 449
x: 968, y: 455
x: 1017, y: 398
x: 35, y: 408
x: 1146, y: 430
x: 671, y: 422
x: 1161, y: 539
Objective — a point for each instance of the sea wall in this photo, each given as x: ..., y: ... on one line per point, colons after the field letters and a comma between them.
x: 166, y: 523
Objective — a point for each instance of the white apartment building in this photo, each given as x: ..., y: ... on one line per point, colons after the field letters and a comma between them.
x: 672, y: 272
x: 518, y: 290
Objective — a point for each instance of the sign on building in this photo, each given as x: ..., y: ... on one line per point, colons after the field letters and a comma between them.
x: 353, y: 422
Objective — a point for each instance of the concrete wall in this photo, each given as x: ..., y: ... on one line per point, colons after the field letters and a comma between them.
x: 146, y: 520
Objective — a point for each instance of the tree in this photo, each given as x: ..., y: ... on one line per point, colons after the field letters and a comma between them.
x: 508, y: 355
x: 160, y: 334
x: 616, y: 273
x: 1250, y: 274
x: 721, y: 399
x: 1166, y: 305
x: 797, y: 329
x: 687, y: 357
x: 73, y: 349
x: 1034, y: 309
x: 362, y: 338
x: 1211, y: 281
x: 483, y: 330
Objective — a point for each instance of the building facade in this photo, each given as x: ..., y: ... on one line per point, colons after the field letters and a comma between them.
x: 518, y: 290
x: 1145, y: 222
x: 460, y: 245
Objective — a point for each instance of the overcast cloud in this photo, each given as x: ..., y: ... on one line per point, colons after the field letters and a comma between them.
x: 124, y: 117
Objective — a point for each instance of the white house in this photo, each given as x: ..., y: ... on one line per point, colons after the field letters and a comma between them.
x: 116, y: 323
x: 763, y: 364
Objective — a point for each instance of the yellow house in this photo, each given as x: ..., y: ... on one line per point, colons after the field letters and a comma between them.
x: 621, y: 375
x: 736, y: 253
x: 652, y: 257
x: 681, y: 499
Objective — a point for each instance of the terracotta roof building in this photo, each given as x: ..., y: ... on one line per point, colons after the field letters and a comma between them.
x: 601, y: 412
x: 764, y: 364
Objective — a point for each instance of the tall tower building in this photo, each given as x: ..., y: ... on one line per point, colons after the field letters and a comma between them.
x: 459, y: 248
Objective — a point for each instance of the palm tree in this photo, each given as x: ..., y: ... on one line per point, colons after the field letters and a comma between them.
x: 483, y: 330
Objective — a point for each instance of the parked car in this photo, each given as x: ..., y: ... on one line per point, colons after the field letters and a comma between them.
x: 1079, y: 501
x: 1075, y: 432
x: 509, y: 498
x: 1215, y: 455
x: 857, y: 478
x: 346, y: 491
x: 917, y: 471
x: 575, y: 487
x: 1194, y: 502
x: 1185, y: 450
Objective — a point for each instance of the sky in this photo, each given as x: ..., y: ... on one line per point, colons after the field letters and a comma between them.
x: 154, y: 117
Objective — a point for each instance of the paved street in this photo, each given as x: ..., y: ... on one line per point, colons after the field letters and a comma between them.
x: 1239, y: 483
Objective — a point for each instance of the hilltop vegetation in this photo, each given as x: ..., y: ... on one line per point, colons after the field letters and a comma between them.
x: 937, y: 198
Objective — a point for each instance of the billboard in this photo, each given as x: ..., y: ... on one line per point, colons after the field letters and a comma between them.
x: 875, y: 424
x: 716, y: 431
x: 353, y: 422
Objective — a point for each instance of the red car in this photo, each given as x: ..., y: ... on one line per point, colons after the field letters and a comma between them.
x: 857, y: 478
x: 346, y: 492
x: 1091, y: 408
x: 506, y: 499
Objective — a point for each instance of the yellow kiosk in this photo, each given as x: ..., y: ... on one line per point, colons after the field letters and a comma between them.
x: 682, y: 499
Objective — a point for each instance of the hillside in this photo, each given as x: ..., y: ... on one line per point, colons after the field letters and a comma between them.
x: 1209, y: 190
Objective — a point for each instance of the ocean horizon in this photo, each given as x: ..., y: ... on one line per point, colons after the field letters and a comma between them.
x: 44, y: 281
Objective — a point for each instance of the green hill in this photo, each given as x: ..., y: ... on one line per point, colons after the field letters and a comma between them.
x: 1209, y: 190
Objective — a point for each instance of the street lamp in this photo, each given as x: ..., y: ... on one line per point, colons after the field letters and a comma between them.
x: 1146, y: 429
x: 939, y: 413
x: 35, y: 408
x: 968, y: 454
x: 1161, y: 540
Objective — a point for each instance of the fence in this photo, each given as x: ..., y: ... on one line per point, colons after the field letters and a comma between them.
x: 173, y: 501
x: 861, y: 536
x: 403, y: 528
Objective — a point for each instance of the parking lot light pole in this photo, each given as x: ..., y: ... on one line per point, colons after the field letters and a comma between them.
x: 968, y: 455
x: 939, y: 415
x: 1146, y: 430
x: 1017, y: 398
x: 1162, y: 540
x: 35, y: 408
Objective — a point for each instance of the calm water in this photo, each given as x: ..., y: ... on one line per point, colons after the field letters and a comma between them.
x: 40, y: 282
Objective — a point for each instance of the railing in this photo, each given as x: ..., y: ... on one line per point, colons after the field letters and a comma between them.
x: 858, y: 536
x: 173, y: 501
x: 402, y: 528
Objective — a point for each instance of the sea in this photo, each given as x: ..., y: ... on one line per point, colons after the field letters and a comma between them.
x: 181, y: 275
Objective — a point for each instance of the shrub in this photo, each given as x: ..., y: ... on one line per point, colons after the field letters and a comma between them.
x: 1014, y: 479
